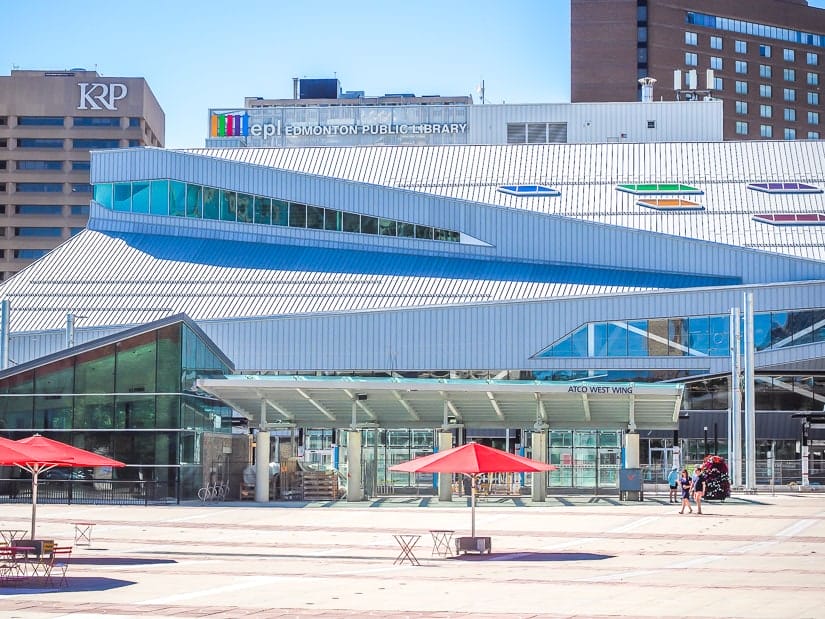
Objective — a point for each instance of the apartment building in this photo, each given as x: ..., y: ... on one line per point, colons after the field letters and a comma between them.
x: 766, y: 58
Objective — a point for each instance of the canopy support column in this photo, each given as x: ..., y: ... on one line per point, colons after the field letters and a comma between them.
x: 354, y: 492
x: 539, y: 488
x: 445, y: 485
x: 262, y: 459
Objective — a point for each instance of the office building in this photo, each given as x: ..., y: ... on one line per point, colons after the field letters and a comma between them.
x: 49, y: 122
x: 766, y: 58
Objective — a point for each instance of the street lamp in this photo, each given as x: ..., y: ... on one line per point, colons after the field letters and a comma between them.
x: 706, y: 440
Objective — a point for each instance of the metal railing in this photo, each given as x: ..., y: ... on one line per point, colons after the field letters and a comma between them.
x: 88, y: 492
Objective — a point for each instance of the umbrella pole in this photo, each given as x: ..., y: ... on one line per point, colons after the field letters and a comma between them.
x: 473, y: 504
x: 35, y: 473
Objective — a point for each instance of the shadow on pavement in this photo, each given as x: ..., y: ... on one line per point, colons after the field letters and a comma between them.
x: 533, y: 556
x: 118, y: 561
x: 73, y: 583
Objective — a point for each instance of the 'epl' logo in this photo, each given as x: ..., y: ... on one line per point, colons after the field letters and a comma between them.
x: 96, y: 96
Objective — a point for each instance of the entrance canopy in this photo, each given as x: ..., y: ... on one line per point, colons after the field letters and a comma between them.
x: 341, y: 402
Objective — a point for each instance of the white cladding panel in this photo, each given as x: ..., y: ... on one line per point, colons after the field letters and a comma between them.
x: 483, y: 336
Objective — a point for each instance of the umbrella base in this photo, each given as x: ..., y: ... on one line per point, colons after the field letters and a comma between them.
x: 472, y: 544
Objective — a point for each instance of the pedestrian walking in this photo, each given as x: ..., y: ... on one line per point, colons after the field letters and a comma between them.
x: 698, y: 488
x: 673, y: 482
x: 685, y: 484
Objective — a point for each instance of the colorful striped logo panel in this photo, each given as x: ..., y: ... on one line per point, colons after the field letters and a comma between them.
x: 229, y: 125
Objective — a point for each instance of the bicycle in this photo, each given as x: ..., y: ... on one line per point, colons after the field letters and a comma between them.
x: 214, y: 492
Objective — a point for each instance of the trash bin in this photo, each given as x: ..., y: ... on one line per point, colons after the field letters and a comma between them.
x: 631, y: 485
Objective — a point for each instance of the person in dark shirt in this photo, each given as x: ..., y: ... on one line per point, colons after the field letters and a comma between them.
x: 685, y: 485
x: 698, y: 488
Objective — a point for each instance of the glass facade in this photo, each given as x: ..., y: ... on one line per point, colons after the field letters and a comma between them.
x: 585, y: 458
x: 754, y: 29
x: 178, y: 199
x: 699, y: 336
x: 132, y: 400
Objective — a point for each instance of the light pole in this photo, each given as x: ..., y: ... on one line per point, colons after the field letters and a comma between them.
x: 706, y: 440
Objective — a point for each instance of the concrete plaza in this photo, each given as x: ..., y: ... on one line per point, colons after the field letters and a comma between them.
x: 752, y: 556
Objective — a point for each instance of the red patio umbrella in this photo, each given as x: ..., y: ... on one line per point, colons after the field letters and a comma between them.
x: 472, y: 459
x: 38, y: 454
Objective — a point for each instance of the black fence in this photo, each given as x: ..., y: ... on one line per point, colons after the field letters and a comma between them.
x: 89, y: 492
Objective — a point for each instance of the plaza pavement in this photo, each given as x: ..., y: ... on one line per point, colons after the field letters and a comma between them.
x: 755, y: 556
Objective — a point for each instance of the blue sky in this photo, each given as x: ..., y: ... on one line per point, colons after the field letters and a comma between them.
x: 201, y: 54
x: 197, y: 55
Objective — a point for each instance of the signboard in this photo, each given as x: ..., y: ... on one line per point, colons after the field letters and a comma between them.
x: 237, y: 124
x: 100, y: 95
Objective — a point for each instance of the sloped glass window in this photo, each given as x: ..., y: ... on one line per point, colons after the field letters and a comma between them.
x: 643, y: 189
x: 784, y: 187
x: 791, y: 219
x: 671, y: 204
x: 529, y: 190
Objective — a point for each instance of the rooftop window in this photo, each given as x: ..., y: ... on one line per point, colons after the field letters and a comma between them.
x: 652, y: 189
x: 784, y: 187
x: 671, y: 204
x: 791, y: 219
x: 529, y: 190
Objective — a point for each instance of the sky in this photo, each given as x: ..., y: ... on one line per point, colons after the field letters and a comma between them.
x: 197, y: 55
x: 204, y: 54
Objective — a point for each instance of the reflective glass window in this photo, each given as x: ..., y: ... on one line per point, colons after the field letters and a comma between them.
x: 386, y: 227
x: 159, y: 203
x: 678, y: 336
x: 616, y: 340
x: 40, y: 121
x: 39, y: 143
x: 103, y: 194
x: 39, y: 187
x: 788, y: 55
x: 280, y: 213
x: 789, y: 75
x: 333, y: 220
x: 369, y: 225
x: 761, y: 331
x: 263, y: 211
x: 94, y: 144
x: 140, y: 197
x: 423, y: 232
x: 315, y: 217
x: 790, y: 114
x: 741, y: 47
x: 297, y: 215
x: 211, y: 203
x: 54, y: 411
x: 719, y: 332
x: 690, y: 38
x: 790, y: 134
x: 228, y: 205
x: 352, y: 222
x: 123, y: 197
x: 38, y: 232
x: 39, y: 165
x: 765, y: 90
x: 95, y: 374
x: 765, y: 71
x: 17, y: 411
x: 96, y: 121
x: 813, y: 118
x: 813, y: 79
x: 813, y: 135
x: 765, y: 51
x: 716, y: 42
x: 741, y: 87
x: 691, y: 59
x: 716, y: 63
x: 407, y: 230
x: 741, y: 127
x: 38, y: 209
x: 599, y: 339
x: 741, y: 66
x: 245, y: 208
x: 81, y: 188
x: 812, y: 58
x: 194, y: 201
x: 698, y: 329
x: 780, y: 328
x: 81, y: 166
x: 177, y: 199
x: 765, y: 111
x: 741, y: 107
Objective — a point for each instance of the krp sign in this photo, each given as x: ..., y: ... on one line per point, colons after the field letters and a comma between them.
x: 97, y: 95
